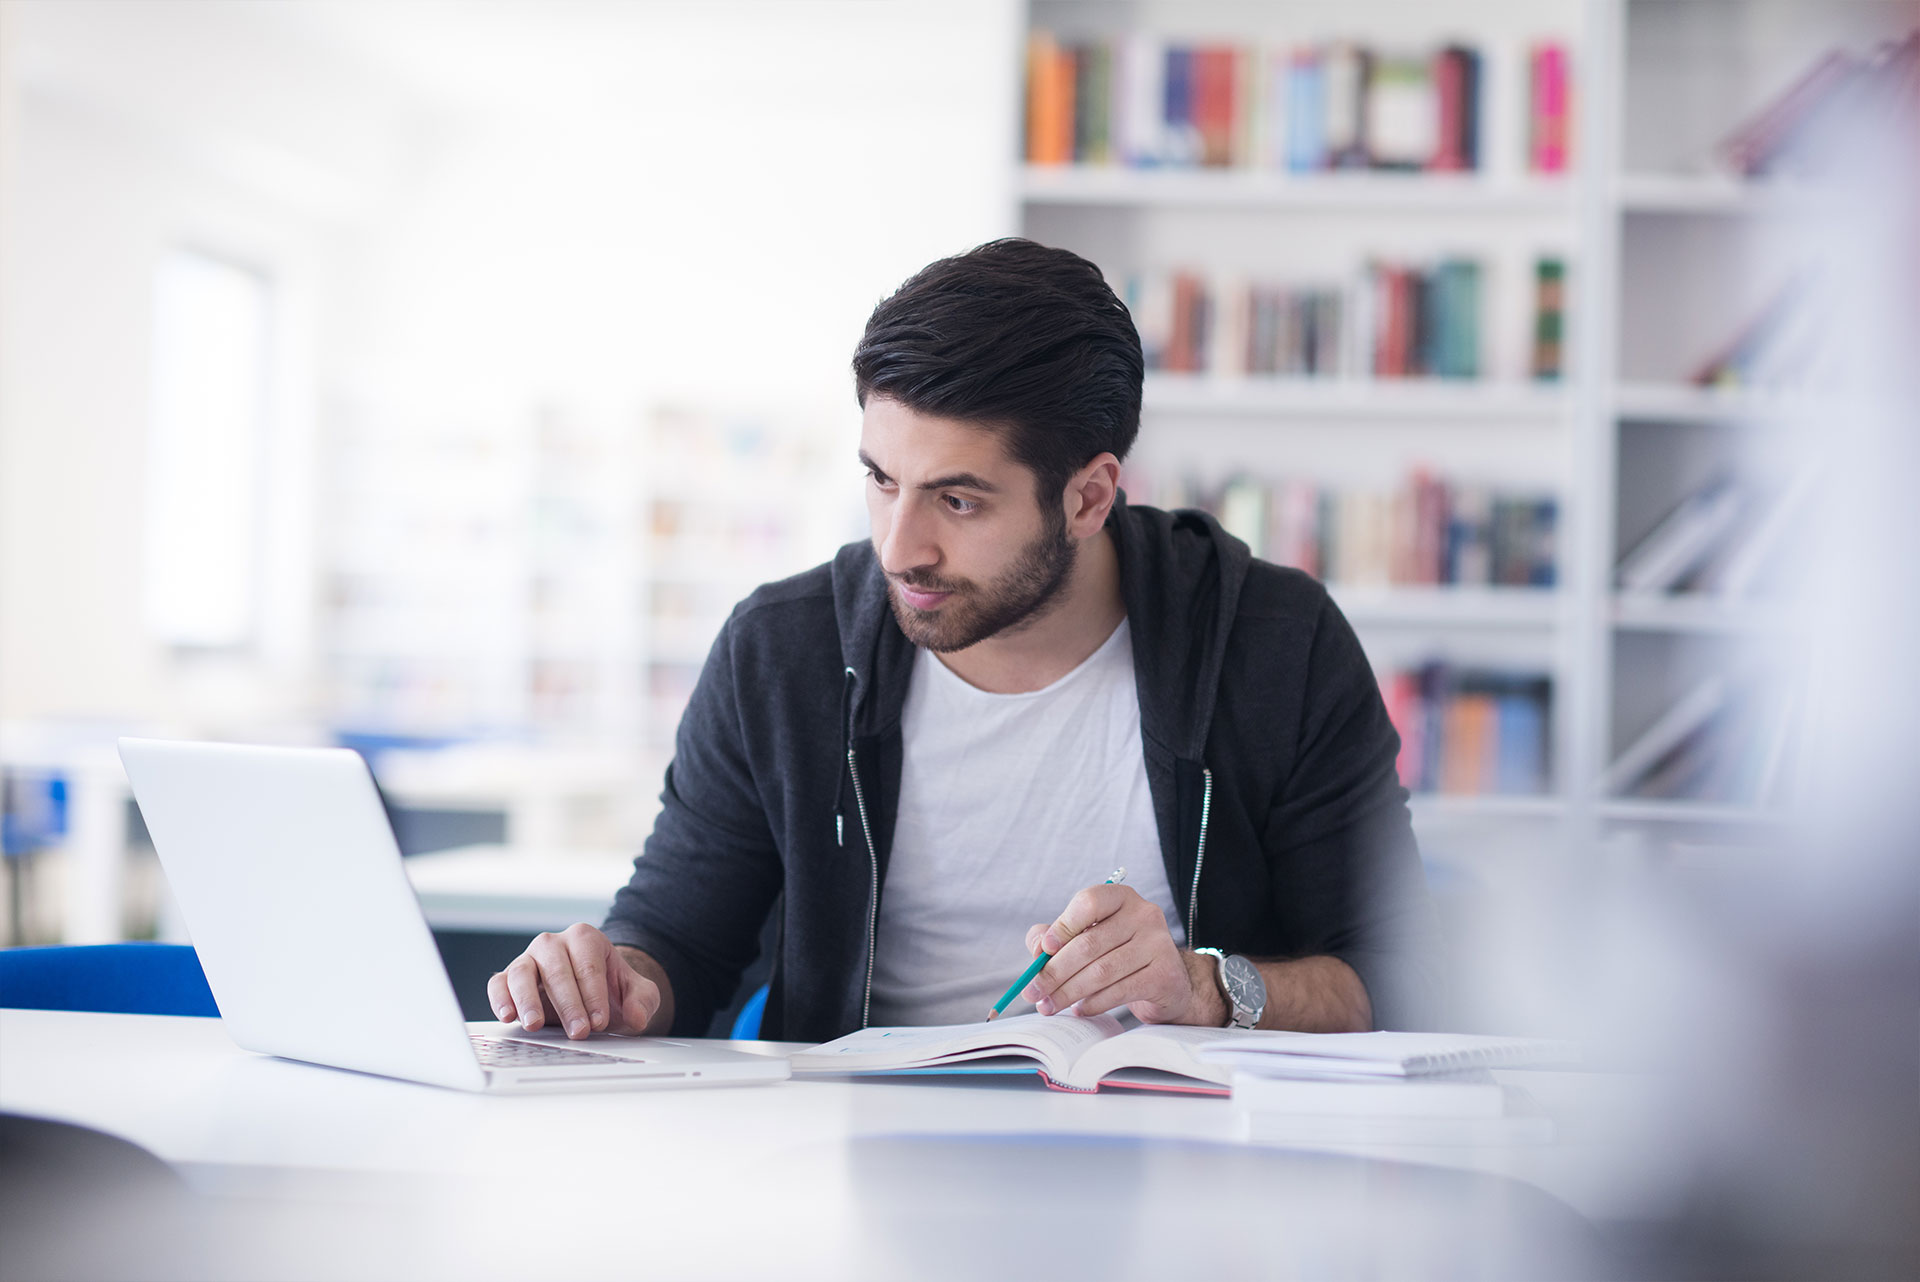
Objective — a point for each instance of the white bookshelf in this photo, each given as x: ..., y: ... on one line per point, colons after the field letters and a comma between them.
x: 1352, y: 433
x: 1319, y: 399
x: 1422, y: 194
x: 1692, y: 252
x: 1666, y: 256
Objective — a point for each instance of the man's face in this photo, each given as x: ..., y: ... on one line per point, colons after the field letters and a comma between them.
x: 966, y: 547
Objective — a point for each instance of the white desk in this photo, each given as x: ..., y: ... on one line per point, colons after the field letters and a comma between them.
x: 332, y: 1174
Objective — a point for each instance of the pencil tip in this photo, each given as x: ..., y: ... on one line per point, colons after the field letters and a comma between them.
x: 991, y: 1014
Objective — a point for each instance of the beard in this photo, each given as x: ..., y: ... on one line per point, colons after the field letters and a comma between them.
x: 1015, y: 599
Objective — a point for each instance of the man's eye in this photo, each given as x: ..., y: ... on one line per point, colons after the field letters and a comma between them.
x: 959, y: 505
x: 878, y: 479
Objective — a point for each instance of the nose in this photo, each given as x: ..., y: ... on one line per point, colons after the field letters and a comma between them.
x: 907, y: 543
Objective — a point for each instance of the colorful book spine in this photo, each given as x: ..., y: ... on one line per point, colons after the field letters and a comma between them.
x: 1049, y: 102
x: 1137, y: 100
x: 1549, y: 318
x: 1550, y: 109
x: 1306, y: 113
x: 1467, y: 732
x: 1429, y: 532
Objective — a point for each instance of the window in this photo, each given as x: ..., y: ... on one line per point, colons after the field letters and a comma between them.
x: 205, y: 452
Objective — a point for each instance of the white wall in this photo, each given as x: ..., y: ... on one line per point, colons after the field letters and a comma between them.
x: 608, y: 205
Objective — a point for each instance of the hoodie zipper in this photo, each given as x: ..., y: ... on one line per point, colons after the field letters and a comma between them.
x: 1199, y: 856
x: 873, y: 859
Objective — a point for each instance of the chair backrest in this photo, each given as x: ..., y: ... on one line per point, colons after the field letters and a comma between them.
x: 746, y: 1025
x: 121, y: 979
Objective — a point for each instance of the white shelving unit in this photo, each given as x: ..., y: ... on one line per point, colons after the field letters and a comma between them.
x: 1666, y: 256
x: 1691, y: 252
x: 1503, y: 430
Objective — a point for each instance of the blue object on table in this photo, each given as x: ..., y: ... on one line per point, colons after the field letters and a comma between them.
x: 746, y: 1025
x: 119, y: 979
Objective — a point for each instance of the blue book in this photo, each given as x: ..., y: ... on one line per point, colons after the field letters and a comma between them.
x: 1306, y: 116
x: 1182, y: 137
x: 1520, y: 764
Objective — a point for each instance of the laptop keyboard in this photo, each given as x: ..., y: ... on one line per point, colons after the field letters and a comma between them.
x: 496, y: 1052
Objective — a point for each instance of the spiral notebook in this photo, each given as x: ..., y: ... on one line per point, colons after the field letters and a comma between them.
x: 1386, y: 1054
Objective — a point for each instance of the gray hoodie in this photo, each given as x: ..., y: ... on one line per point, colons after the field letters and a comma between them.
x: 1269, y: 754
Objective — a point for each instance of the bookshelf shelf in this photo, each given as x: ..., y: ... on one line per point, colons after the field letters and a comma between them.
x: 1414, y: 399
x: 1680, y: 403
x: 1424, y: 193
x: 1448, y: 606
x: 1689, y: 812
x: 1646, y: 612
x: 1719, y: 194
x: 1441, y: 805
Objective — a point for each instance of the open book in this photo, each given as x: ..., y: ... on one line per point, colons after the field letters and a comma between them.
x: 1070, y: 1052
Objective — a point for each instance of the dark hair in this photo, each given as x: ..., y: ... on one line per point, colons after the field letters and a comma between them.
x: 1017, y: 337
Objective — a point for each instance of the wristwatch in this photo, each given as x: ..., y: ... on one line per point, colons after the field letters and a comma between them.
x: 1241, y: 985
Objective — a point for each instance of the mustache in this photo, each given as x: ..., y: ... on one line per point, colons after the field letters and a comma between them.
x: 927, y: 583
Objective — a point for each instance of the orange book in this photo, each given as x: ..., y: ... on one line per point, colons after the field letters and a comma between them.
x: 1049, y: 101
x: 1467, y: 750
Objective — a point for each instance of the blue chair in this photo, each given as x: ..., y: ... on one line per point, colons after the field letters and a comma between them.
x: 746, y: 1025
x: 119, y: 979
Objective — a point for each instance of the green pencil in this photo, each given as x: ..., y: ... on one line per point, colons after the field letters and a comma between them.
x: 1026, y: 976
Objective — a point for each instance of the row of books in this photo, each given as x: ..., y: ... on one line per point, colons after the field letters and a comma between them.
x: 1429, y: 532
x: 1810, y: 128
x: 1728, y: 740
x: 1394, y: 320
x: 1142, y: 101
x: 1470, y: 732
x: 1192, y: 325
x: 1726, y: 538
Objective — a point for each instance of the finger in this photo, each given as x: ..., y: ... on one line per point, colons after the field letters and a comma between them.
x: 556, y: 980
x: 1095, y: 903
x: 1033, y: 939
x: 1075, y: 955
x: 1127, y: 989
x: 523, y: 990
x: 499, y: 998
x: 588, y: 949
x: 1103, y: 972
x: 639, y: 999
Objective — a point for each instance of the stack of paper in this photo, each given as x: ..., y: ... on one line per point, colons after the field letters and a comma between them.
x: 1385, y: 1088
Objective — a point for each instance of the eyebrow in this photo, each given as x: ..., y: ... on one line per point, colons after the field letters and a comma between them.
x: 952, y: 481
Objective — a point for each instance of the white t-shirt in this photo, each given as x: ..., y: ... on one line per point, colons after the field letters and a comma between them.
x: 1009, y: 804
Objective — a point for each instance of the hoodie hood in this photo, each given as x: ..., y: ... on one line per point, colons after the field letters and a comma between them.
x: 1180, y: 580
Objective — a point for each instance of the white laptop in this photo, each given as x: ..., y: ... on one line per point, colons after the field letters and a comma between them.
x: 290, y: 880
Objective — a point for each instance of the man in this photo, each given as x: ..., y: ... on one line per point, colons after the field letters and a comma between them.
x: 1020, y: 684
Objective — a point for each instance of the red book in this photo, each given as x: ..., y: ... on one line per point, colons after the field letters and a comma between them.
x: 1214, y: 98
x: 1549, y: 109
x: 1399, y: 336
x: 1407, y: 710
x: 1429, y: 527
x: 1450, y: 93
x: 1182, y: 347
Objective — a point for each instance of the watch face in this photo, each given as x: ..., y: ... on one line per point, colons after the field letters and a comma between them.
x: 1245, y: 989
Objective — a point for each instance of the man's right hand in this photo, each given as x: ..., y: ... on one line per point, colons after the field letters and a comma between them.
x: 576, y: 980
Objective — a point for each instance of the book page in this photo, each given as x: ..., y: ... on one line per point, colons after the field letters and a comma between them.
x: 1054, y: 1040
x: 1171, y: 1048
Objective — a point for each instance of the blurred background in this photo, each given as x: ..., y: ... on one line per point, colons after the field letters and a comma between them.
x: 432, y: 377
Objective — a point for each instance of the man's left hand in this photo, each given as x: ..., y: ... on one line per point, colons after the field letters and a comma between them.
x: 1112, y: 948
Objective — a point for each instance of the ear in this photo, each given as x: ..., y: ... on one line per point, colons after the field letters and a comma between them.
x: 1089, y: 496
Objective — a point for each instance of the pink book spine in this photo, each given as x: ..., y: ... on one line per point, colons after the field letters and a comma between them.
x: 1550, y: 109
